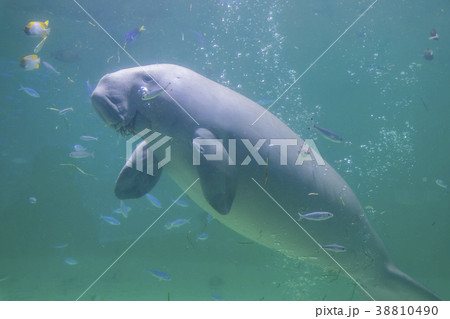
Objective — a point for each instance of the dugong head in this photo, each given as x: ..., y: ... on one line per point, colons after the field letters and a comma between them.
x: 122, y: 99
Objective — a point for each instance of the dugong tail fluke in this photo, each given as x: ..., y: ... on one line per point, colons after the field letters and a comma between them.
x: 232, y: 172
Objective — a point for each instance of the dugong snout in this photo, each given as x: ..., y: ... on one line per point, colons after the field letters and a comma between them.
x: 112, y: 103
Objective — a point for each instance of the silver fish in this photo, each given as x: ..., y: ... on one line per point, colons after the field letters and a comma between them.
x: 441, y: 183
x: 316, y: 216
x: 50, y: 67
x: 88, y: 138
x: 176, y: 223
x: 65, y: 111
x: 81, y: 154
x: 335, y: 247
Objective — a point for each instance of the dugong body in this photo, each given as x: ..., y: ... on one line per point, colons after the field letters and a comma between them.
x: 259, y: 199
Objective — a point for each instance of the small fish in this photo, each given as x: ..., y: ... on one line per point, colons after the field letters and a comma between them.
x: 326, y: 133
x: 433, y: 35
x: 146, y: 95
x: 29, y: 91
x: 198, y: 35
x: 313, y: 194
x: 181, y: 203
x: 441, y: 183
x: 60, y: 245
x: 428, y: 54
x: 336, y: 248
x: 39, y: 46
x: 342, y: 200
x: 110, y: 220
x: 209, y: 218
x: 71, y: 261
x: 203, y: 236
x: 133, y: 35
x: 88, y: 138
x: 4, y: 277
x: 154, y: 201
x: 37, y: 29
x: 30, y: 62
x: 424, y: 104
x: 50, y: 67
x: 32, y: 200
x: 216, y: 297
x: 176, y: 223
x: 81, y: 154
x: 265, y: 102
x: 79, y: 148
x: 89, y: 88
x: 123, y: 209
x: 65, y: 111
x: 316, y: 216
x: 160, y: 275
x: 79, y: 169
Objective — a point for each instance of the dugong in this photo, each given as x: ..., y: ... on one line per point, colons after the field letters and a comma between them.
x: 254, y: 176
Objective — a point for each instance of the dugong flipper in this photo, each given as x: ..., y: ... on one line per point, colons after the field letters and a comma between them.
x: 258, y: 185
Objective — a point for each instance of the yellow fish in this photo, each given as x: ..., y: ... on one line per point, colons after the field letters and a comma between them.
x: 30, y: 62
x: 36, y: 28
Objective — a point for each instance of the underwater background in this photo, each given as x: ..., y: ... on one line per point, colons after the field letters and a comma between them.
x: 374, y: 87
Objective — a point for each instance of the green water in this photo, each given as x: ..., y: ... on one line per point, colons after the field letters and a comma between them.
x: 371, y: 87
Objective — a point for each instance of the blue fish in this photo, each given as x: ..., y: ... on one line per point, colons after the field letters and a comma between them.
x: 133, y: 35
x: 216, y: 297
x: 123, y: 209
x: 198, y: 35
x: 316, y: 216
x: 326, y: 133
x: 29, y: 91
x: 32, y: 200
x: 160, y: 275
x: 71, y: 261
x: 336, y: 248
x: 181, y: 203
x: 203, y: 236
x: 110, y: 220
x: 176, y: 223
x: 60, y: 245
x: 155, y: 202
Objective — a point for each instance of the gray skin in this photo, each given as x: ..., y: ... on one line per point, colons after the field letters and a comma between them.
x: 231, y: 193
